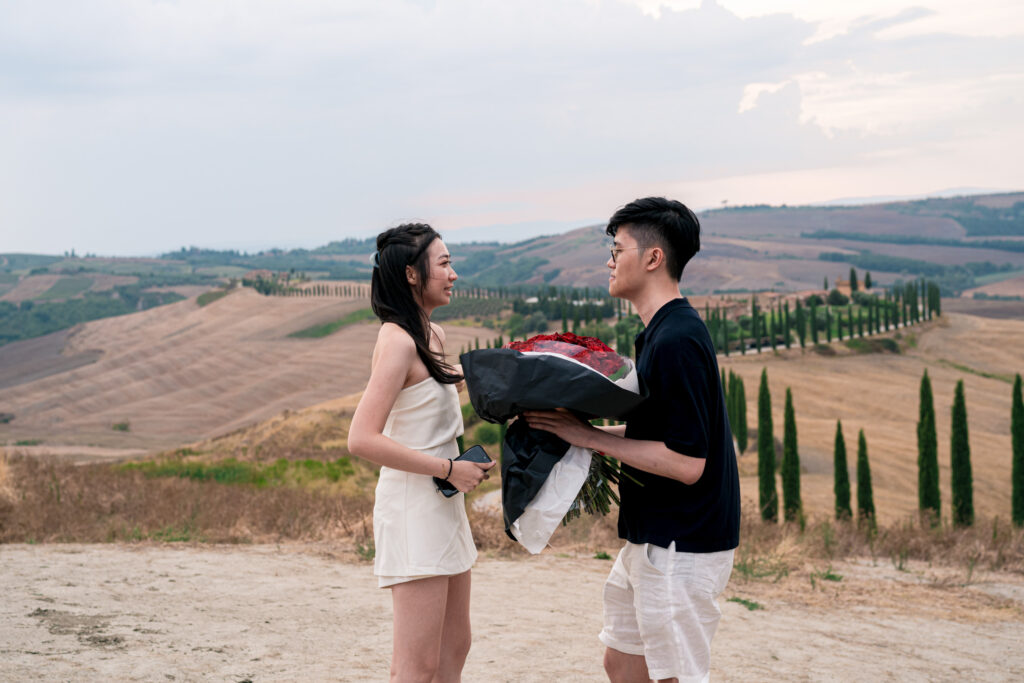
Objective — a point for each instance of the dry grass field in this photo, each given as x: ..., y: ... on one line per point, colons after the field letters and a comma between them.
x: 181, y: 372
x: 877, y: 219
x: 1010, y: 287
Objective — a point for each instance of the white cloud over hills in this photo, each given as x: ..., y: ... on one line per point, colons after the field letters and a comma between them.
x: 132, y: 127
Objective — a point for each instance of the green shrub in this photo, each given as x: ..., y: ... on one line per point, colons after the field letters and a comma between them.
x: 230, y: 471
x: 317, y: 331
x: 209, y: 297
x: 469, y: 415
x: 488, y: 434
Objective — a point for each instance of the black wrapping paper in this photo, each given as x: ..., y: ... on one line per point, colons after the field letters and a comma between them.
x: 527, y: 457
x: 502, y: 383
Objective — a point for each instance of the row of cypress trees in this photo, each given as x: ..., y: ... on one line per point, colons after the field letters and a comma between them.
x: 902, y: 305
x: 962, y: 484
x: 792, y: 504
x: 929, y: 499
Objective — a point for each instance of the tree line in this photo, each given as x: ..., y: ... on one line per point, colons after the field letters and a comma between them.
x: 814, y: 319
x: 929, y: 497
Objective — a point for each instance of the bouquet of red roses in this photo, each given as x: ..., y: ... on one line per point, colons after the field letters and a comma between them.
x: 545, y: 480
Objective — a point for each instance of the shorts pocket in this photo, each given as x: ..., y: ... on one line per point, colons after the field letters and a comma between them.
x: 655, y: 558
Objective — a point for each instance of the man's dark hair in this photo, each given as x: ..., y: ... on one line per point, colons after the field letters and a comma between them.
x: 660, y: 222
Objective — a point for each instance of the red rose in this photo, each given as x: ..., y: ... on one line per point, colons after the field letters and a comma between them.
x: 588, y: 350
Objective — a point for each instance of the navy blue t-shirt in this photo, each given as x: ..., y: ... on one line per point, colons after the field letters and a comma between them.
x: 685, y: 410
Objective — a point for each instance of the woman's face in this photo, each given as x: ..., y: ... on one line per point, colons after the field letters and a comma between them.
x: 441, y: 277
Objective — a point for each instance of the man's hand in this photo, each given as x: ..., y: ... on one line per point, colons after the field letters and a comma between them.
x: 562, y: 424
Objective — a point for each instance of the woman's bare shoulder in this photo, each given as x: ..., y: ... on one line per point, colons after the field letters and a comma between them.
x: 394, y: 338
x: 438, y: 331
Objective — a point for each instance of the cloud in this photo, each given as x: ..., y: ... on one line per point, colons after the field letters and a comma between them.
x: 139, y: 126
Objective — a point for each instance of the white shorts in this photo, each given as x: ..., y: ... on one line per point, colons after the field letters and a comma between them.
x: 663, y: 605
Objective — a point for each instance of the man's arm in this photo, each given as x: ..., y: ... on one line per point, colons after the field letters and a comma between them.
x: 650, y: 456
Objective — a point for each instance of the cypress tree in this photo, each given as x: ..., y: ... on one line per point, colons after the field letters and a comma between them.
x: 928, y: 498
x: 740, y: 406
x: 461, y: 443
x: 841, y: 477
x: 814, y: 323
x: 1017, y: 437
x: 790, y: 464
x: 756, y: 328
x: 960, y: 464
x: 725, y: 335
x: 826, y: 283
x: 828, y: 324
x: 771, y: 330
x: 865, y: 496
x: 786, y: 326
x: 867, y: 280
x: 730, y: 404
x: 769, y: 499
x: 726, y: 390
x: 853, y: 280
x: 801, y: 325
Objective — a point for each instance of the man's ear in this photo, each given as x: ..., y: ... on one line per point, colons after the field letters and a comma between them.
x: 410, y: 275
x: 655, y: 257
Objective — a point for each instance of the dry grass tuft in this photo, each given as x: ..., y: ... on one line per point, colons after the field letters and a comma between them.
x: 773, y: 550
x: 97, y: 503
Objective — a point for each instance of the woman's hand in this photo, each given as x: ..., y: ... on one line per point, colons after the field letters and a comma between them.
x: 460, y: 386
x: 467, y: 475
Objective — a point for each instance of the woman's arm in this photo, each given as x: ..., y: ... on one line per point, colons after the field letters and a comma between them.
x: 617, y: 430
x: 395, y: 355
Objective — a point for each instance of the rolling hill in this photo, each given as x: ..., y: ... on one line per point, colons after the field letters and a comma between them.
x: 182, y: 372
x: 965, y: 244
x: 874, y: 392
x: 795, y: 248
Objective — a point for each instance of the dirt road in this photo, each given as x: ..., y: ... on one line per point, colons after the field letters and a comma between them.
x: 313, y: 613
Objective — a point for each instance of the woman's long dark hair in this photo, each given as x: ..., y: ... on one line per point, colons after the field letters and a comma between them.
x: 391, y: 294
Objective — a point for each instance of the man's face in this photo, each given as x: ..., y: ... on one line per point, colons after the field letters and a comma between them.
x: 626, y: 264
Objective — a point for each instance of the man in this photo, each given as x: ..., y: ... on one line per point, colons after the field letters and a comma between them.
x: 680, y: 509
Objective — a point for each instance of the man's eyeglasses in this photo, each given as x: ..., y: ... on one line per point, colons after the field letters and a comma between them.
x: 618, y: 250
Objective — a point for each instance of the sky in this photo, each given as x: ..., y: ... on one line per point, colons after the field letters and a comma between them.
x: 133, y: 127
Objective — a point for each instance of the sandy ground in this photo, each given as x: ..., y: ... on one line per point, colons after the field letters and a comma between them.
x: 312, y: 613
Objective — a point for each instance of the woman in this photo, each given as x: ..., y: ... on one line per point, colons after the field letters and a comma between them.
x: 407, y: 421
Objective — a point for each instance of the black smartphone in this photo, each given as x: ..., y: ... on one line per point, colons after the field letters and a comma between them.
x: 474, y: 454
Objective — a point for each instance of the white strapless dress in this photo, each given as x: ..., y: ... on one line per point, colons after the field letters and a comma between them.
x: 417, y: 532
